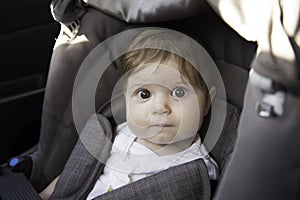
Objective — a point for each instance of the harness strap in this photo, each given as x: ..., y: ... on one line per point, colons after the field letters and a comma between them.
x: 15, y: 186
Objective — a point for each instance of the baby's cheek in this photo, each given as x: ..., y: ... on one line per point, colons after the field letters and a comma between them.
x: 137, y: 125
x: 189, y: 117
x: 137, y: 116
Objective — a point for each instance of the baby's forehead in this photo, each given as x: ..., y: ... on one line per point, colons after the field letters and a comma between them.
x: 157, y: 73
x: 169, y: 65
x: 156, y: 70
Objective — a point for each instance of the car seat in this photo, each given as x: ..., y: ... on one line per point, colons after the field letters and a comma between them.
x: 235, y: 60
x: 215, y: 37
x: 221, y: 152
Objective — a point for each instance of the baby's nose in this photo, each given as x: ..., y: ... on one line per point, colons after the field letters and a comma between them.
x: 158, y: 114
x: 160, y: 109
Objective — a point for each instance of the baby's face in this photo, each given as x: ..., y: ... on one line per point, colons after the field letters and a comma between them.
x: 161, y: 106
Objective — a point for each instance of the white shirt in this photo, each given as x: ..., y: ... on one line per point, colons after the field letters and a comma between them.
x: 130, y: 161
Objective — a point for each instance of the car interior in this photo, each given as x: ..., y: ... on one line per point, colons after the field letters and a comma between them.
x: 27, y: 39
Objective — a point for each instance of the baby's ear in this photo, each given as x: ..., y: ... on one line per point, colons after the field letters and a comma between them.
x: 210, y: 98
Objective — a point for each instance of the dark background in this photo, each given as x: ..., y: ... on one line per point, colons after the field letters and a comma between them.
x: 27, y: 36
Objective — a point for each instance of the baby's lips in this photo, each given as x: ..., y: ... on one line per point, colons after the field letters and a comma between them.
x: 157, y: 119
x: 161, y: 125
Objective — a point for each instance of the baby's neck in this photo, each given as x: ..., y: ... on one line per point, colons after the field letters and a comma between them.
x: 166, y: 149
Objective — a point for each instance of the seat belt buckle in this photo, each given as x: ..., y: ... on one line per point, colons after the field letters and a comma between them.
x: 71, y: 29
x: 270, y: 98
x: 20, y: 164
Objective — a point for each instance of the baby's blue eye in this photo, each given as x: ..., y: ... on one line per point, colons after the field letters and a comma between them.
x: 179, y: 92
x: 143, y: 94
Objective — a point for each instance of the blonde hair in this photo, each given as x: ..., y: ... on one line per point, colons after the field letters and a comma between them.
x: 133, y: 59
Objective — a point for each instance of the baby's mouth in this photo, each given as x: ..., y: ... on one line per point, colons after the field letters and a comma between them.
x: 161, y: 125
x: 158, y: 120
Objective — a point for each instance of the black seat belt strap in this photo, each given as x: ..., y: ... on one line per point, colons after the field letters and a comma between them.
x: 14, y: 186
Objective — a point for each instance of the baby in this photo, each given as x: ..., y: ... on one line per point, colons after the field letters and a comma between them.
x: 166, y: 102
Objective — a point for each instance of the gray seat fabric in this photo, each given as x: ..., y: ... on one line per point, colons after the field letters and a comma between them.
x: 164, y: 185
x: 83, y: 167
x: 222, y: 150
x: 235, y: 81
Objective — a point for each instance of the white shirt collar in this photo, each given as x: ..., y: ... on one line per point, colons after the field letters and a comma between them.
x: 139, y: 159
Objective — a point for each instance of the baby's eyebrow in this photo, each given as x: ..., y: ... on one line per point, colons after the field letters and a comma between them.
x: 137, y: 85
x: 181, y: 83
x: 134, y: 87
